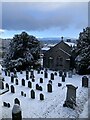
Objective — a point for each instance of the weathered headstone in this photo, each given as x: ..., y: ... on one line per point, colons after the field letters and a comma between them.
x: 49, y: 87
x: 71, y: 96
x: 23, y: 82
x: 16, y: 81
x: 45, y: 74
x: 41, y: 96
x: 16, y: 101
x: 41, y: 80
x: 60, y: 73
x: 16, y: 112
x: 63, y: 78
x: 32, y: 94
x: 12, y: 89
x: 29, y: 84
x: 7, y: 86
x: 52, y: 76
x: 84, y: 81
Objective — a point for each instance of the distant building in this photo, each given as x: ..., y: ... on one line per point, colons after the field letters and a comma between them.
x: 58, y: 57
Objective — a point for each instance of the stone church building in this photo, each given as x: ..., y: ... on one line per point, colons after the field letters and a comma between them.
x: 58, y: 57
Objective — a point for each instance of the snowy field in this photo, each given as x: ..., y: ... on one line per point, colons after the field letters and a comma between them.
x: 52, y: 105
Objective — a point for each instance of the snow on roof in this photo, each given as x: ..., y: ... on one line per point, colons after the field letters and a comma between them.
x: 70, y: 44
x: 64, y: 52
x: 45, y: 48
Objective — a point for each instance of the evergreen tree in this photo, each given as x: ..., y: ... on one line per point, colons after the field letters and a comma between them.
x: 24, y: 51
x: 83, y: 52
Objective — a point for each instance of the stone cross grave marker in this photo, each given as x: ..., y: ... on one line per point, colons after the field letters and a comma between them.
x: 71, y: 96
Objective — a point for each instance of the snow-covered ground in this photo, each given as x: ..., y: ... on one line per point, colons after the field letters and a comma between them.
x: 52, y: 105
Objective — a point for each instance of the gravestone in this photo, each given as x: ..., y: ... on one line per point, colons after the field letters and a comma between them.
x: 21, y: 72
x: 49, y: 87
x: 65, y: 74
x: 8, y: 72
x: 27, y: 75
x: 71, y: 97
x: 55, y: 73
x: 41, y: 72
x: 12, y: 78
x: 33, y: 80
x: 4, y: 104
x: 8, y: 105
x: 63, y: 78
x: 15, y: 72
x: 1, y: 85
x: 23, y: 82
x: 16, y: 101
x: 50, y: 81
x: 7, y: 86
x: 60, y: 73
x: 37, y: 87
x: 84, y: 81
x: 70, y: 74
x: 32, y: 94
x: 59, y: 84
x: 52, y: 76
x: 22, y: 93
x: 16, y: 81
x: 16, y: 112
x: 41, y: 80
x: 45, y: 74
x: 40, y: 88
x: 12, y: 89
x: 5, y: 72
x: 29, y: 84
x: 74, y: 71
x: 41, y: 96
x: 38, y: 71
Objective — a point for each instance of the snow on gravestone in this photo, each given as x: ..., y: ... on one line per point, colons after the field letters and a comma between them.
x: 71, y: 96
x: 16, y: 112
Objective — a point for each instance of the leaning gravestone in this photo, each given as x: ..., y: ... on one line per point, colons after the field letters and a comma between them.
x: 12, y: 89
x: 41, y: 96
x: 71, y: 97
x: 32, y: 94
x: 16, y: 101
x: 84, y: 81
x: 49, y: 87
x: 16, y: 112
x: 23, y: 82
x: 52, y: 76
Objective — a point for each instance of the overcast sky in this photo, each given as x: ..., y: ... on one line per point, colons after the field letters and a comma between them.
x: 44, y: 19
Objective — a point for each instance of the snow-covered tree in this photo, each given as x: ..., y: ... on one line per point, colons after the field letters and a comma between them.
x: 24, y: 51
x: 83, y: 52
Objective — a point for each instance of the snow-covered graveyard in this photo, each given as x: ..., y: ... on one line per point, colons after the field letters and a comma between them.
x: 44, y: 101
